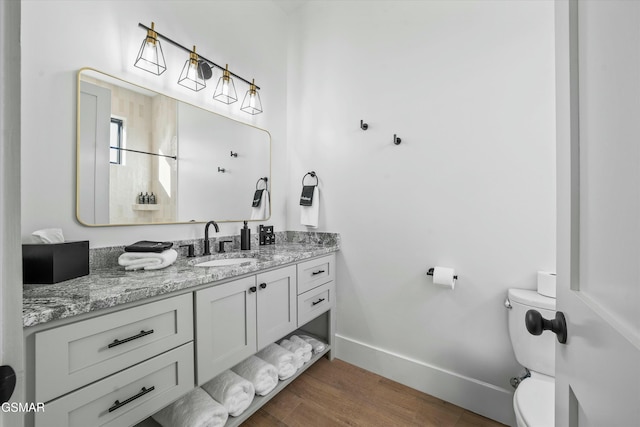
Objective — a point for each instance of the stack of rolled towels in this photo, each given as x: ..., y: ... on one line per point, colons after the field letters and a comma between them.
x: 233, y: 391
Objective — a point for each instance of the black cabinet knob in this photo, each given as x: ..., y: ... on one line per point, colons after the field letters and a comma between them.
x: 252, y: 289
x: 263, y: 285
x: 536, y: 324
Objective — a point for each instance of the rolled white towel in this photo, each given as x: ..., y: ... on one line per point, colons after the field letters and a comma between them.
x: 194, y: 409
x: 282, y: 359
x: 317, y: 345
x: 263, y: 375
x: 306, y: 347
x: 147, y: 260
x: 297, y: 351
x: 232, y: 391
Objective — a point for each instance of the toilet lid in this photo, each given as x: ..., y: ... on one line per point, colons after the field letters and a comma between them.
x: 534, y: 401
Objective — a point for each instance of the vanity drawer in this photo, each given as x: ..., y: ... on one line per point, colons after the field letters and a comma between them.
x: 71, y: 356
x: 316, y: 272
x: 127, y: 397
x: 313, y: 303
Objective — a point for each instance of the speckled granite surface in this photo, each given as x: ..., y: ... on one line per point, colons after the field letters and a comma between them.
x: 109, y: 284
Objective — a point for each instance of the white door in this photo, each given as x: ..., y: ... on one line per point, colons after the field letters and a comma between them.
x: 598, y: 155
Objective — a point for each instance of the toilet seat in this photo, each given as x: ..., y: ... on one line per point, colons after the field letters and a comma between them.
x: 534, y: 401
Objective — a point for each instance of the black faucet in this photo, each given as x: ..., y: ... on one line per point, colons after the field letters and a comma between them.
x: 207, y: 249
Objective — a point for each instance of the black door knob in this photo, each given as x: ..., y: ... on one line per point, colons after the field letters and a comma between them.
x: 7, y: 382
x: 536, y: 324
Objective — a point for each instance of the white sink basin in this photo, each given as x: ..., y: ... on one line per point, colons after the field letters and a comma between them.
x: 226, y: 262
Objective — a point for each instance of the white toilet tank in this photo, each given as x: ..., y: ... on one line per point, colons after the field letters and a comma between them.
x: 536, y: 353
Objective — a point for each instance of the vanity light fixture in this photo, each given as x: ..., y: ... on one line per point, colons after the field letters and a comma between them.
x: 196, y: 71
x: 150, y: 57
x: 225, y: 90
x: 192, y: 75
x: 251, y: 103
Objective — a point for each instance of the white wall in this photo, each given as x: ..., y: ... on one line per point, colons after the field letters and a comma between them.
x: 469, y: 87
x: 60, y: 37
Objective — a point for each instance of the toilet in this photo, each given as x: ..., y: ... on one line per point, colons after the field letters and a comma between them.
x: 534, y: 399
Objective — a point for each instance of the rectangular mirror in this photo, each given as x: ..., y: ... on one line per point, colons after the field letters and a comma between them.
x: 136, y: 147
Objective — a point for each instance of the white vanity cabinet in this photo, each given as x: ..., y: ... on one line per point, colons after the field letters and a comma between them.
x: 115, y: 368
x: 236, y: 319
x: 118, y: 368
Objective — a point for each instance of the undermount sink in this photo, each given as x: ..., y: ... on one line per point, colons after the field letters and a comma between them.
x: 226, y: 262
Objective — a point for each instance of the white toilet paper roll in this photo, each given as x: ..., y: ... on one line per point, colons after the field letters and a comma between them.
x: 443, y: 276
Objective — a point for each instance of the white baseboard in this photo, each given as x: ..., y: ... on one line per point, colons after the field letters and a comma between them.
x: 476, y: 396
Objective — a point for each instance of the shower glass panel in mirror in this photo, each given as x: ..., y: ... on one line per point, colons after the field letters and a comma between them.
x: 133, y: 142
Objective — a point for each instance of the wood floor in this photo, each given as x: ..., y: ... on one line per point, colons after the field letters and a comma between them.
x: 339, y: 394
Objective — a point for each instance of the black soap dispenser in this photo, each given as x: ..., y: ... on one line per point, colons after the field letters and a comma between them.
x: 245, y: 237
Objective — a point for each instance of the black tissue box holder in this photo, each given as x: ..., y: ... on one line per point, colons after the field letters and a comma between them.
x: 54, y: 262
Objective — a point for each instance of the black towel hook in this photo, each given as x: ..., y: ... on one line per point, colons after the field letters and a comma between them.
x: 313, y: 175
x: 265, y: 179
x: 363, y: 125
x: 396, y: 140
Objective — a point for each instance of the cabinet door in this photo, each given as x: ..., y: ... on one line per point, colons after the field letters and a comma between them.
x: 225, y: 326
x: 277, y: 307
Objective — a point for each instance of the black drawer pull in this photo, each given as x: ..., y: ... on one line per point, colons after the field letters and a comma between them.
x: 317, y: 272
x: 252, y: 289
x: 117, y: 404
x: 317, y: 302
x: 263, y: 285
x: 135, y: 337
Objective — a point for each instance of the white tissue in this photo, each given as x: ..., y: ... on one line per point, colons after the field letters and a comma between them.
x: 443, y: 276
x: 48, y: 235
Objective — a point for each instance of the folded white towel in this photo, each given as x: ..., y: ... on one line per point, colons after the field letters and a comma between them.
x: 262, y: 211
x: 309, y: 214
x: 147, y: 260
x: 232, y: 391
x: 317, y: 345
x: 263, y: 375
x: 306, y: 347
x: 297, y: 351
x: 194, y: 409
x: 282, y: 359
x: 48, y: 235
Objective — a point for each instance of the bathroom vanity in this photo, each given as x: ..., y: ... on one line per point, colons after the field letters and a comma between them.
x: 114, y: 347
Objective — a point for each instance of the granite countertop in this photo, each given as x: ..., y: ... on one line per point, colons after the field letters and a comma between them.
x: 108, y: 287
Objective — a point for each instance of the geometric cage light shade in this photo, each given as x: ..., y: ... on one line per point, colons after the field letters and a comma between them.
x: 192, y: 75
x: 197, y: 69
x: 225, y: 90
x: 150, y: 57
x: 251, y: 103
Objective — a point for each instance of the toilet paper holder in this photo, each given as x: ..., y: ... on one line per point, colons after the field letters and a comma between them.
x: 430, y: 273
